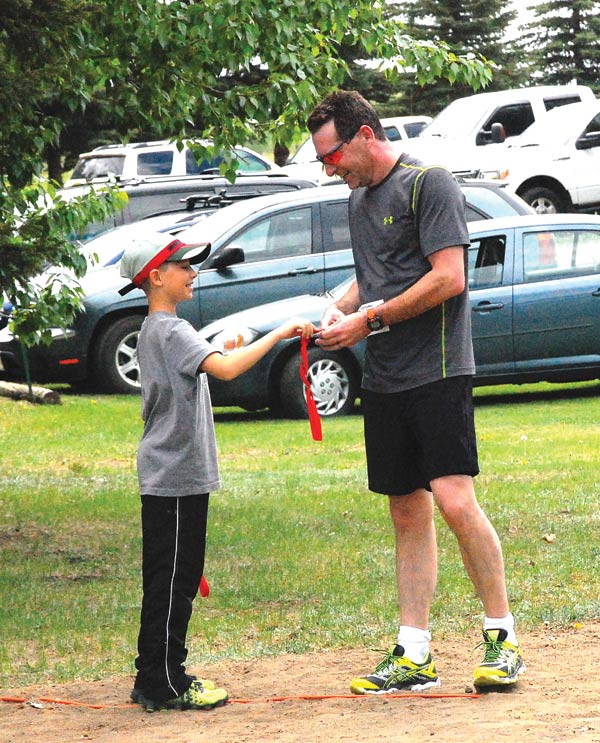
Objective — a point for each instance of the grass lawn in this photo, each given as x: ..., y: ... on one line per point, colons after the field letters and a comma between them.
x: 300, y: 555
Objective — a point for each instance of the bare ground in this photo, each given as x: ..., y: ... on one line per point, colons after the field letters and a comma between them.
x: 278, y: 699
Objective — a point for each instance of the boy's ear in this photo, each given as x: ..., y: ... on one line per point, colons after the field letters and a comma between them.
x: 154, y: 277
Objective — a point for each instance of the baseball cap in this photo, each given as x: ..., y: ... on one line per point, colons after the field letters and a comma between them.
x: 150, y: 251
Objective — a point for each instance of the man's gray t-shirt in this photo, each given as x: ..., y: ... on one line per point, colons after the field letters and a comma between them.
x: 395, y: 225
x: 178, y: 452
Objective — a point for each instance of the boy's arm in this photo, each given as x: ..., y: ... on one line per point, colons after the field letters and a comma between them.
x: 231, y: 366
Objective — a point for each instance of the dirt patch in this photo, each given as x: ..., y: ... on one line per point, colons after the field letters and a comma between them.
x: 277, y: 699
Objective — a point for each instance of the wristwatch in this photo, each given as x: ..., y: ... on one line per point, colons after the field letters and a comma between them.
x: 374, y: 322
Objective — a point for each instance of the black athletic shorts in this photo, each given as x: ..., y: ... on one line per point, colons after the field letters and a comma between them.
x: 418, y: 435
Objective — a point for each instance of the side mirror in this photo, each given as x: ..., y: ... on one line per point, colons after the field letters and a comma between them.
x: 588, y: 141
x: 228, y: 257
x: 498, y: 133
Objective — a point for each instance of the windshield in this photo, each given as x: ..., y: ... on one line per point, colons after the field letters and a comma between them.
x: 555, y: 127
x: 458, y: 119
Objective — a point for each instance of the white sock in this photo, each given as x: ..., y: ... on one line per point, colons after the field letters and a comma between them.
x: 507, y: 623
x: 415, y: 642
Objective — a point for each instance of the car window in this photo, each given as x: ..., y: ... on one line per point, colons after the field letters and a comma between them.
x: 286, y: 233
x: 155, y: 163
x: 392, y: 133
x: 515, y: 118
x: 560, y: 254
x: 486, y: 262
x: 98, y: 167
x: 249, y: 163
x: 490, y: 201
x: 564, y: 100
x: 335, y: 228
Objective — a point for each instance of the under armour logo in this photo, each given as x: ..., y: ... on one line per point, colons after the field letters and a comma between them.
x: 388, y: 220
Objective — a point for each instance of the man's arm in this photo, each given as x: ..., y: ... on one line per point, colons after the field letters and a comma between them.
x: 445, y: 280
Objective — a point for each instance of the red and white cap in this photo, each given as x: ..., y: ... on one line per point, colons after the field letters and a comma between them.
x: 151, y: 250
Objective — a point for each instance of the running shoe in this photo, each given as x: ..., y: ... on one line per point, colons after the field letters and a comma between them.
x: 502, y: 662
x: 395, y: 673
x: 197, y: 696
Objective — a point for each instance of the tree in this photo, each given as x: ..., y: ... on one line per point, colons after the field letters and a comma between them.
x: 562, y: 42
x: 467, y: 26
x: 230, y: 70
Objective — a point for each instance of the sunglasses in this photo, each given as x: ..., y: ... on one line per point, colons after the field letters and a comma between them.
x: 334, y: 156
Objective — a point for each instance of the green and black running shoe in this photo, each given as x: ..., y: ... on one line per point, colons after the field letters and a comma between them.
x: 198, y: 696
x: 502, y: 662
x: 396, y: 673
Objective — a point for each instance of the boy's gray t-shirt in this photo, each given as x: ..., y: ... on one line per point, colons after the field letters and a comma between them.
x: 178, y: 452
x: 395, y: 226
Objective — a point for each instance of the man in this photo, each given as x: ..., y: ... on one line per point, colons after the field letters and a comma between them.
x: 409, y: 239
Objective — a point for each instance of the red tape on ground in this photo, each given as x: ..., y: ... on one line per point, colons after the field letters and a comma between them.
x: 266, y: 700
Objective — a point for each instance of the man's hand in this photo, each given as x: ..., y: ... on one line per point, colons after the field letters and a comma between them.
x: 342, y: 330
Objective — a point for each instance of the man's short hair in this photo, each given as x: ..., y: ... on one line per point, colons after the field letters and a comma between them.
x: 349, y: 111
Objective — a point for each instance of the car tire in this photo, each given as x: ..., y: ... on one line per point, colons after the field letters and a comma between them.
x: 544, y: 200
x: 116, y: 367
x: 333, y: 379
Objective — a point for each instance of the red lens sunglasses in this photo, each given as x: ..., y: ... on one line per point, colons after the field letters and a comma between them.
x: 334, y: 156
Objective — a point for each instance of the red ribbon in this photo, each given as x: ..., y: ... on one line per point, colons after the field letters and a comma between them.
x: 204, y: 587
x: 313, y: 413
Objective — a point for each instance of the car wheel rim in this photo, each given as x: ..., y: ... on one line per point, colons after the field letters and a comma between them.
x: 543, y: 206
x: 330, y: 386
x: 126, y: 361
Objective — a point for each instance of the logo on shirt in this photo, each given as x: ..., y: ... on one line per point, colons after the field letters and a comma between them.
x: 388, y: 220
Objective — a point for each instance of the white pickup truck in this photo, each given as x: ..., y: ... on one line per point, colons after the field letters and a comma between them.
x: 472, y: 133
x: 555, y: 165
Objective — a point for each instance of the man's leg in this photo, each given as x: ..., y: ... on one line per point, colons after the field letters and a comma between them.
x: 478, y: 541
x: 409, y: 664
x: 482, y: 556
x: 416, y: 556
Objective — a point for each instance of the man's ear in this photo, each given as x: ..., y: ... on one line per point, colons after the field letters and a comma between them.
x: 366, y: 132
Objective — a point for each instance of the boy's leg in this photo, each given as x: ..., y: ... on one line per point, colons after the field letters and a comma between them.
x: 174, y: 538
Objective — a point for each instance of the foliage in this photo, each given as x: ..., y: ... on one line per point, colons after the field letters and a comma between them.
x: 561, y: 44
x: 466, y: 26
x: 230, y: 70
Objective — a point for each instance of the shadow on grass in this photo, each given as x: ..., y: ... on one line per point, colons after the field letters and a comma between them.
x: 532, y: 393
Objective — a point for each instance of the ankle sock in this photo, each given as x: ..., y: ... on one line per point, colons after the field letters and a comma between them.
x: 507, y: 623
x: 415, y: 642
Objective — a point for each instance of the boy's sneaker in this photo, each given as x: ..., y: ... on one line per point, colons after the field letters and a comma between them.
x: 395, y: 673
x: 502, y: 662
x: 198, y: 696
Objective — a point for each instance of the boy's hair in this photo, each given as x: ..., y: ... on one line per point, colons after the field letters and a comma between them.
x: 349, y: 111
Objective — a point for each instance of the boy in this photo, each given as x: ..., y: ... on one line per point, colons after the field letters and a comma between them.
x: 177, y: 464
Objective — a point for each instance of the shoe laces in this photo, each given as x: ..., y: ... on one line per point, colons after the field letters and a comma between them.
x: 392, y: 670
x: 493, y: 649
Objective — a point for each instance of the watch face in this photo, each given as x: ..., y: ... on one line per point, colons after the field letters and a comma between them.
x: 374, y: 322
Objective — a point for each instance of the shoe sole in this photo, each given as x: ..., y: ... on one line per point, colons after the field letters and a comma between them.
x: 379, y: 692
x: 491, y: 681
x: 151, y: 706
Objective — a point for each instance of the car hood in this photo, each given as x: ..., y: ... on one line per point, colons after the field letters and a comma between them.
x: 266, y: 317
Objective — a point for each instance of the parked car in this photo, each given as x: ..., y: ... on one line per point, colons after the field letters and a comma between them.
x: 157, y: 195
x: 263, y: 249
x: 555, y: 164
x: 304, y: 163
x: 141, y: 159
x: 535, y: 301
x: 473, y: 131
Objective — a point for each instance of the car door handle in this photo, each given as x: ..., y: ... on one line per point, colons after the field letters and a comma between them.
x: 488, y: 306
x: 307, y: 269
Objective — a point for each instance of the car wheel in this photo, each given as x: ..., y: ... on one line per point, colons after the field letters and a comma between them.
x: 544, y: 200
x: 116, y: 367
x: 332, y: 380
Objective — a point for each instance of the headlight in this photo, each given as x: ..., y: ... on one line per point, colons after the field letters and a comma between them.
x: 496, y: 175
x: 230, y: 339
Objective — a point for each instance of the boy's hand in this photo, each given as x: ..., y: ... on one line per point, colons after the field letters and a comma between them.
x: 297, y: 326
